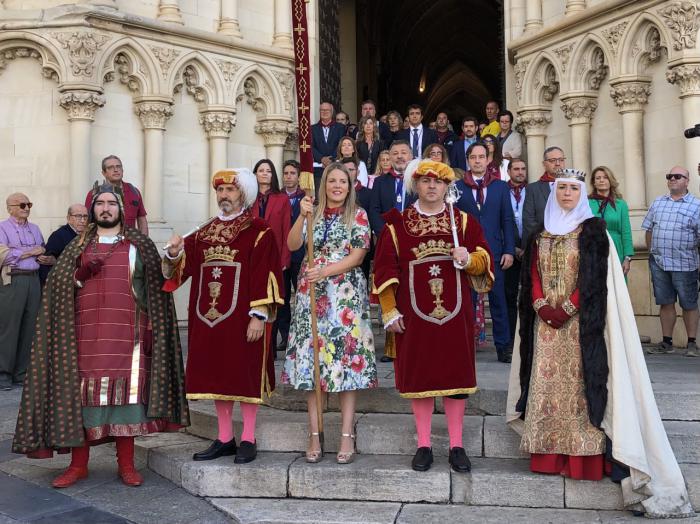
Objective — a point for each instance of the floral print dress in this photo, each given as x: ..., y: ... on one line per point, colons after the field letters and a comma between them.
x: 342, y: 307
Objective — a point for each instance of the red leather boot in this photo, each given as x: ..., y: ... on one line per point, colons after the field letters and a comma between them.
x: 125, y: 461
x: 77, y: 469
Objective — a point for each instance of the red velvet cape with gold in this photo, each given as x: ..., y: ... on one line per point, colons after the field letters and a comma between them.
x: 435, y: 354
x: 235, y: 268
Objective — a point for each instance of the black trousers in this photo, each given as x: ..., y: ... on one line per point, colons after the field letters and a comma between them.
x: 284, y: 314
x: 512, y: 285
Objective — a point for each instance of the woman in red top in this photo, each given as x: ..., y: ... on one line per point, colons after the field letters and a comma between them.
x: 273, y: 206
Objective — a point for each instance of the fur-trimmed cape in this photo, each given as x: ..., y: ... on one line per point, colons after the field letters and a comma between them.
x: 593, y: 293
x: 50, y: 413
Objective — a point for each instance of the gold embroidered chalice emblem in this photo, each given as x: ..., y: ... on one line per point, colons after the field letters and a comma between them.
x: 436, y: 289
x: 214, y: 293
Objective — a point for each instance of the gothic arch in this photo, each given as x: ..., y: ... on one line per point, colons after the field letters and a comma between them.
x: 642, y: 44
x: 260, y: 90
x: 197, y: 75
x: 541, y: 81
x: 589, y: 65
x: 129, y: 61
x: 26, y: 45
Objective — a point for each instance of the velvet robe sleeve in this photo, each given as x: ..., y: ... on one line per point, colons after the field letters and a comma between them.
x: 266, y: 293
x: 386, y: 281
x: 177, y: 271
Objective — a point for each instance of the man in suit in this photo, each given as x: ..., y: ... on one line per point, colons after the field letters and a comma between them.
x: 445, y: 136
x: 417, y: 135
x: 458, y: 155
x: 388, y: 192
x: 488, y: 200
x: 77, y: 219
x: 517, y: 171
x: 538, y: 192
x: 369, y: 109
x: 325, y: 137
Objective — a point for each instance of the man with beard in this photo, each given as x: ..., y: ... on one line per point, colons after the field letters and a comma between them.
x: 236, y: 287
x: 106, y: 361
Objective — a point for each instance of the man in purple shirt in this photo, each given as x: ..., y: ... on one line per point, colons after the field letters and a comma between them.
x: 21, y: 252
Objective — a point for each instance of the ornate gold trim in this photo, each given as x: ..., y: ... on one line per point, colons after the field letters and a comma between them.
x: 273, y: 293
x: 392, y: 230
x: 260, y: 235
x: 441, y: 393
x: 216, y: 396
x: 569, y: 308
x: 539, y: 304
x: 389, y: 316
x: 378, y: 290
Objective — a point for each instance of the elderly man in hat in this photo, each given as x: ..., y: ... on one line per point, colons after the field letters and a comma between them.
x: 236, y: 288
x: 424, y: 273
x: 106, y: 362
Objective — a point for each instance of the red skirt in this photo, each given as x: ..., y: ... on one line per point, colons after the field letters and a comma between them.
x: 591, y: 467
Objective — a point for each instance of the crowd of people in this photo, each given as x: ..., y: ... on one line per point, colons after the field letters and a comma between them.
x: 428, y: 221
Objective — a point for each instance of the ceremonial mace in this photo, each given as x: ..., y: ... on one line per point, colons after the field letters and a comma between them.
x: 451, y: 198
x: 191, y: 232
x: 306, y: 182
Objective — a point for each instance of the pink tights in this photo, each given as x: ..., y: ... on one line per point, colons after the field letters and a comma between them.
x: 423, y: 412
x: 224, y: 413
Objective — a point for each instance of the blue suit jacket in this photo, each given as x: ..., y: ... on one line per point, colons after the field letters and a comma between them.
x: 495, y: 216
x: 321, y: 147
x: 382, y: 200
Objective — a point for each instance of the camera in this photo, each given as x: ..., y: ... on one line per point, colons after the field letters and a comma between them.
x: 692, y: 132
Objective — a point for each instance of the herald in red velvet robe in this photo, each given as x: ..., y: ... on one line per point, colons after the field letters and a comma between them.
x: 435, y: 354
x: 234, y: 266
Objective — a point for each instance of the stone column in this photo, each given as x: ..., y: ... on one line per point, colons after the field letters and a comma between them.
x: 687, y: 78
x: 578, y: 110
x: 533, y: 16
x: 283, y: 24
x: 228, y: 24
x: 535, y: 122
x: 574, y: 6
x: 630, y: 97
x: 169, y: 11
x: 291, y: 146
x: 517, y: 18
x: 274, y: 133
x: 153, y: 113
x: 217, y: 123
x: 81, y: 107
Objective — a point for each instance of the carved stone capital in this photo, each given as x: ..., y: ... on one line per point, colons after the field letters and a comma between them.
x: 82, y: 49
x: 218, y: 123
x: 153, y: 114
x: 630, y: 95
x: 579, y: 109
x: 534, y: 121
x: 274, y: 132
x: 81, y: 105
x: 681, y: 18
x: 686, y: 77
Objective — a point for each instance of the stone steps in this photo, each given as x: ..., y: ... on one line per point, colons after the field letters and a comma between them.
x: 379, y: 478
x: 394, y: 433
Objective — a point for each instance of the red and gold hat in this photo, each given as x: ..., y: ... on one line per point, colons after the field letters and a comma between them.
x: 224, y: 176
x: 436, y: 170
x: 242, y: 177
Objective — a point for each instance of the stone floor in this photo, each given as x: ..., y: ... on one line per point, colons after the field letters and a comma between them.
x: 26, y: 495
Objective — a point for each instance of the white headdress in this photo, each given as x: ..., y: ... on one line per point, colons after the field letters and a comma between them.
x: 557, y: 220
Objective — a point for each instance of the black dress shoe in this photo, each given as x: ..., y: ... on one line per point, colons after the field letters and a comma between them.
x: 459, y: 460
x: 504, y: 355
x: 216, y: 450
x: 386, y: 359
x: 247, y: 452
x: 423, y: 459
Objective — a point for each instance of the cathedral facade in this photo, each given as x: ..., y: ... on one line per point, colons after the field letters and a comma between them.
x: 180, y: 88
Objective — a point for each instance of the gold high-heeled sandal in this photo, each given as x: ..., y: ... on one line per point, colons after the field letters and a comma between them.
x: 346, y: 457
x: 314, y: 456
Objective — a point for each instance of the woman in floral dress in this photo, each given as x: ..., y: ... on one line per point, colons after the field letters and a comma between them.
x: 341, y: 240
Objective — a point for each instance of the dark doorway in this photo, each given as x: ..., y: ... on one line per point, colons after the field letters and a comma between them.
x: 446, y: 55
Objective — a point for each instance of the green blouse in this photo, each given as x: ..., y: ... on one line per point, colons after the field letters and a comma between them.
x: 618, y: 224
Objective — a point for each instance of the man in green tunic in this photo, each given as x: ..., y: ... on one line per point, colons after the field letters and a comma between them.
x: 106, y: 362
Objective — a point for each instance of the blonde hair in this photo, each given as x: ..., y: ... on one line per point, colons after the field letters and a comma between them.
x: 614, y: 184
x: 378, y: 168
x: 348, y: 216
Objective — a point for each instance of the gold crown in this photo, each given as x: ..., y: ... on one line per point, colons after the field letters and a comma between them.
x: 432, y: 247
x: 571, y: 173
x: 220, y: 253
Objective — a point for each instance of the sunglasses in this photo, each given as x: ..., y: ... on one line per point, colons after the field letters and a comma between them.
x: 675, y: 176
x: 23, y: 205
